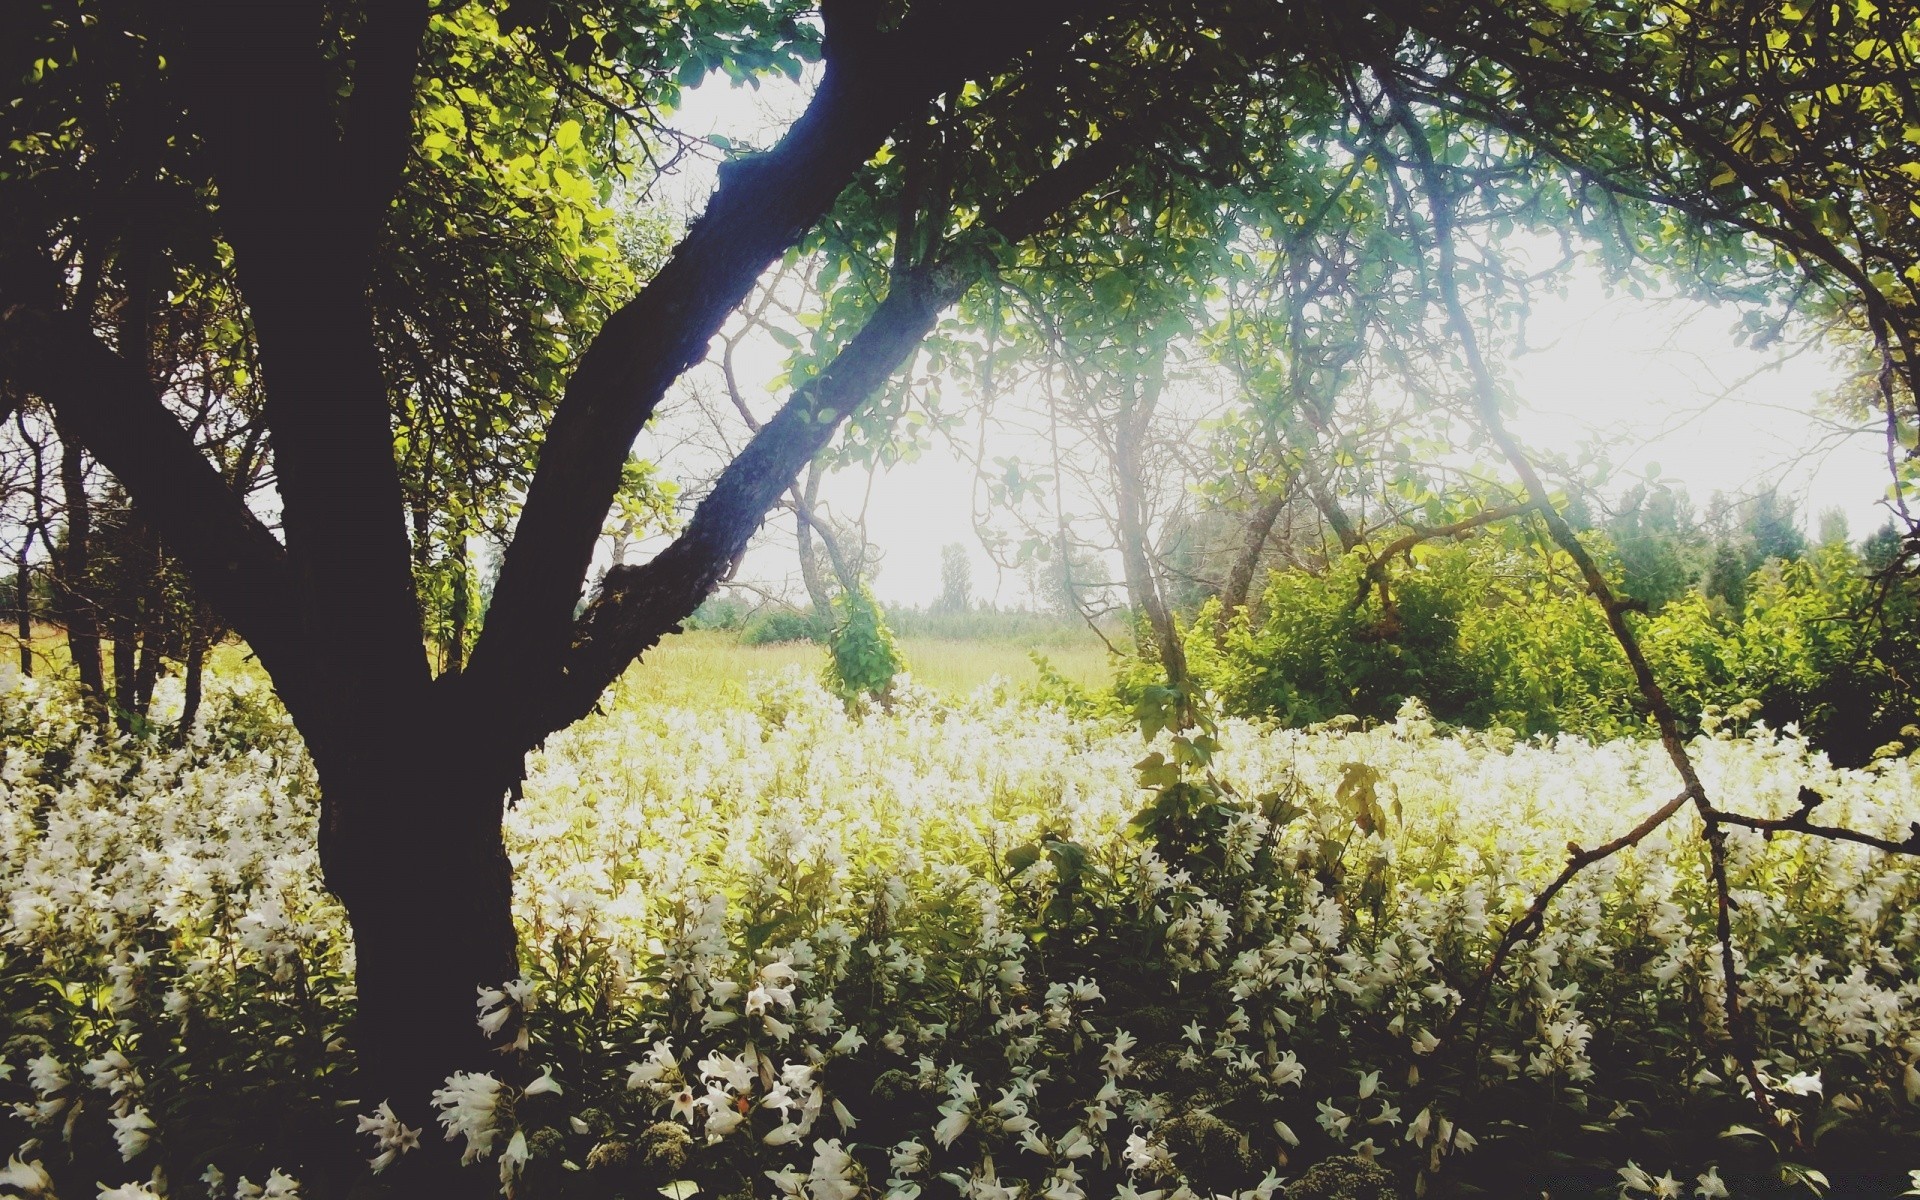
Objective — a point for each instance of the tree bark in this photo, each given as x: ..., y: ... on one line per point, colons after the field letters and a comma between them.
x: 191, y: 673
x: 126, y: 652
x: 1240, y: 578
x: 23, y: 603
x: 411, y: 843
x: 1143, y: 583
x: 72, y: 567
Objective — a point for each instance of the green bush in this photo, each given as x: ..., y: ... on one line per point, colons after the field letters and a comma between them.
x: 863, y: 659
x: 1490, y: 634
x: 771, y: 625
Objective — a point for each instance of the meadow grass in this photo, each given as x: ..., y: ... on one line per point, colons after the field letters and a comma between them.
x: 708, y: 668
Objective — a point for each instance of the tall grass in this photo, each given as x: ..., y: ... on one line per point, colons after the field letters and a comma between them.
x: 710, y: 668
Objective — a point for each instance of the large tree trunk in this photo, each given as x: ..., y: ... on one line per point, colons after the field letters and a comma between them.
x: 411, y: 844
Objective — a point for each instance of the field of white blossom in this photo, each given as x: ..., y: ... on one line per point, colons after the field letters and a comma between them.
x: 786, y: 953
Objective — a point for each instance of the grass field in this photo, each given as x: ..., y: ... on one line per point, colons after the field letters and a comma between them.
x: 709, y: 668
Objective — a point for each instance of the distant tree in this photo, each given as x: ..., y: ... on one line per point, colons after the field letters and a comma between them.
x: 956, y: 580
x: 1659, y: 543
x: 1833, y: 527
x: 1773, y: 530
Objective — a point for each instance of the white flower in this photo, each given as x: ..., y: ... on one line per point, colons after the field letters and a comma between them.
x: 46, y: 1074
x: 466, y: 1107
x: 1368, y: 1083
x: 1332, y: 1120
x: 512, y: 1160
x: 832, y: 1174
x: 28, y: 1178
x: 782, y: 1135
x: 954, y: 1120
x: 1710, y: 1185
x: 685, y: 1104
x: 1802, y: 1085
x: 545, y: 1085
x: 392, y: 1137
x: 1633, y: 1179
x: 652, y: 1068
x: 128, y: 1191
x: 1287, y: 1070
x: 130, y: 1133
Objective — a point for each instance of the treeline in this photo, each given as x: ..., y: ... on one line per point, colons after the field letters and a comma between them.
x: 1740, y: 614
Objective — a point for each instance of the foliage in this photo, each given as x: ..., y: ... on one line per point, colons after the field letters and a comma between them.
x: 1489, y: 634
x: 866, y: 982
x: 772, y: 625
x: 862, y: 658
x: 956, y: 580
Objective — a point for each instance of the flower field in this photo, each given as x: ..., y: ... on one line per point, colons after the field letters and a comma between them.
x: 783, y: 952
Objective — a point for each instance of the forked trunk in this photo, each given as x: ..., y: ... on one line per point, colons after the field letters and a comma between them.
x: 411, y: 843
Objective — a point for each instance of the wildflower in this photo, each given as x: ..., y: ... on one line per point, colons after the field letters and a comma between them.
x: 685, y: 1104
x: 832, y: 1174
x: 1332, y: 1120
x: 1710, y: 1185
x: 466, y: 1107
x: 392, y: 1137
x: 512, y: 1160
x: 1287, y: 1070
x: 651, y: 1069
x: 29, y: 1178
x: 46, y: 1074
x: 954, y: 1120
x: 130, y: 1133
x: 1368, y: 1082
x: 544, y: 1085
x: 1802, y: 1085
x: 128, y: 1191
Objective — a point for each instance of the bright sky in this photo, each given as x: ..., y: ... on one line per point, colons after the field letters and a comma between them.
x: 1664, y: 381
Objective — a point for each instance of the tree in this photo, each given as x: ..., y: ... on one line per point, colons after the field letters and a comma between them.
x: 956, y: 580
x: 413, y: 768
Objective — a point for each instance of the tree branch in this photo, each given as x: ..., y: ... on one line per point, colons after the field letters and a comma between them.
x: 636, y: 606
x: 110, y: 406
x: 764, y: 205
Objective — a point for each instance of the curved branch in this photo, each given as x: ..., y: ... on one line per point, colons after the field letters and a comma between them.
x: 764, y: 205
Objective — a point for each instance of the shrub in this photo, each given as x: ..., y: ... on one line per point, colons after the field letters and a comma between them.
x: 771, y: 625
x: 863, y: 658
